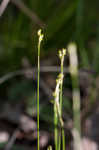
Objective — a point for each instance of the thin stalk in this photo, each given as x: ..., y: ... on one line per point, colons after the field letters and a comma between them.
x: 59, y: 145
x: 63, y: 139
x: 61, y: 90
x: 55, y: 126
x: 63, y: 134
x: 61, y: 55
x: 38, y: 82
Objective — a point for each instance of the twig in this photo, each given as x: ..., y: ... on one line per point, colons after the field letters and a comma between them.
x: 32, y: 72
x: 20, y: 4
x: 3, y: 6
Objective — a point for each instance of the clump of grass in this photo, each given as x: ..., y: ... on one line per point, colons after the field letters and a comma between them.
x: 58, y: 105
x: 57, y: 110
x: 61, y: 56
x: 58, y: 93
x: 40, y: 35
x: 72, y: 49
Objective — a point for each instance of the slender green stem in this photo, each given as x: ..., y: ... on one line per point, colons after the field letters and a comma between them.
x: 59, y: 145
x: 38, y: 96
x: 55, y: 126
x: 61, y: 89
x: 61, y: 102
x: 38, y: 82
x: 61, y: 94
x: 63, y: 139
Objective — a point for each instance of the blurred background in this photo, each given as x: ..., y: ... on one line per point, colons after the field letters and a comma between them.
x: 62, y: 22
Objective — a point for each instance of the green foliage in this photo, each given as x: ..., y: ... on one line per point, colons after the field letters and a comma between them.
x: 65, y: 21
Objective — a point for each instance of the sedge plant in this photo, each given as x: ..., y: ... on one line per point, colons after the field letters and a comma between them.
x: 61, y: 56
x: 57, y: 110
x: 58, y: 105
x: 72, y: 50
x: 40, y: 35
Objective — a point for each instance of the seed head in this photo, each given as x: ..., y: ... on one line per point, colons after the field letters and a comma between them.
x: 40, y: 35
